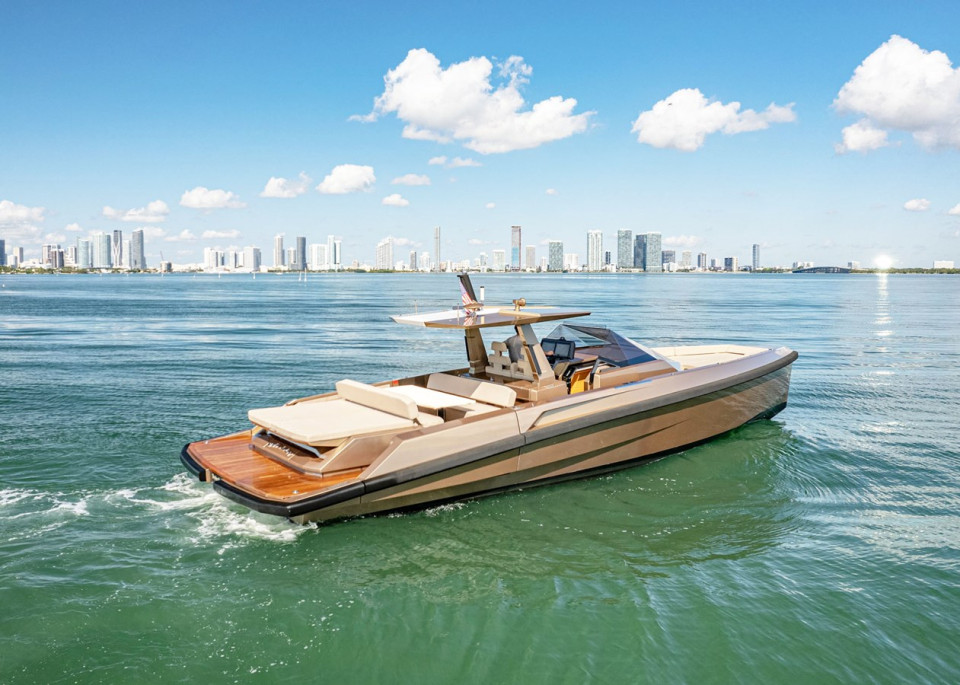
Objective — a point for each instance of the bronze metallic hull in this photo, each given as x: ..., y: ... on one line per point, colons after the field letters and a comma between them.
x: 535, y: 444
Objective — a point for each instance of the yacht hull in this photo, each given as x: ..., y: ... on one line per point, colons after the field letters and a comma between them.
x: 537, y: 444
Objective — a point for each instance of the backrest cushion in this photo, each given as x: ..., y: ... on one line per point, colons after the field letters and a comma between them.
x: 490, y: 393
x: 377, y: 398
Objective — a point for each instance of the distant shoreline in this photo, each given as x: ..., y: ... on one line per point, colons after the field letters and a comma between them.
x: 95, y: 272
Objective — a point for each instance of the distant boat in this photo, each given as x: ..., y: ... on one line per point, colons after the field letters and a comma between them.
x: 583, y: 400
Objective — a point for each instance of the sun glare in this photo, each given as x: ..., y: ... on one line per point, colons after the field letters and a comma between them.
x: 883, y: 261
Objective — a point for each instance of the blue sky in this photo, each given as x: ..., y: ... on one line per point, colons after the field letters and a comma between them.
x: 109, y: 107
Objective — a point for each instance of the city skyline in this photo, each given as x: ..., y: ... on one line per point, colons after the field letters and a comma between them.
x: 825, y: 136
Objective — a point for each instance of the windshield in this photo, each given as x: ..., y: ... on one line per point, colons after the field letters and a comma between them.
x: 610, y: 347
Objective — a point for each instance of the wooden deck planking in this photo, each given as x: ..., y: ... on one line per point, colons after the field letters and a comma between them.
x: 232, y: 460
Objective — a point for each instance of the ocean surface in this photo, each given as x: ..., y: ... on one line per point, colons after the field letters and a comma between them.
x: 819, y: 547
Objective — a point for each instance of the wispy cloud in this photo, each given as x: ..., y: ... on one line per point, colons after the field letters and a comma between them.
x: 217, y: 235
x: 284, y: 188
x: 411, y: 180
x: 206, y: 198
x: 155, y: 212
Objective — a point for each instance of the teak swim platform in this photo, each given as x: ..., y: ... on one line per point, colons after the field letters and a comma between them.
x: 528, y: 411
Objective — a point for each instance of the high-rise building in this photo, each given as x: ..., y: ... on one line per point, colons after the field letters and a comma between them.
x: 16, y: 256
x: 3, y: 252
x: 84, y: 254
x: 702, y: 263
x: 251, y: 258
x: 301, y: 254
x: 499, y: 260
x: 101, y: 251
x: 555, y: 255
x: 291, y: 258
x: 279, y: 257
x: 515, y: 247
x: 668, y: 256
x: 413, y: 260
x: 52, y: 256
x: 137, y: 258
x: 624, y: 248
x: 70, y: 256
x: 117, y: 247
x: 594, y: 250
x: 384, y: 261
x: 424, y: 261
x: 317, y: 259
x: 571, y: 261
x: 333, y: 253
x: 436, y: 248
x: 337, y: 254
x: 731, y: 264
x: 686, y: 260
x: 646, y: 253
x: 756, y: 257
x: 530, y: 262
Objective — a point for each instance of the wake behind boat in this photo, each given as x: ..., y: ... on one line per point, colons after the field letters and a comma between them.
x: 528, y: 411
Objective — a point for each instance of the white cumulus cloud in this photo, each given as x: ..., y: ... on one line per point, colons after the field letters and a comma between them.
x: 458, y: 162
x: 347, y: 178
x: 411, y: 180
x: 73, y: 228
x: 206, y: 198
x: 862, y: 136
x: 955, y: 211
x: 461, y: 103
x: 440, y: 160
x: 919, y: 204
x: 183, y: 236
x: 152, y: 232
x: 281, y: 187
x: 684, y: 119
x: 154, y: 213
x: 395, y: 200
x: 233, y: 233
x: 19, y: 222
x: 900, y: 86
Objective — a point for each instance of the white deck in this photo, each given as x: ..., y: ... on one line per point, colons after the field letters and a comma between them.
x: 696, y: 356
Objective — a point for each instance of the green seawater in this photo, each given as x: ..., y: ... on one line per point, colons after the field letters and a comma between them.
x: 822, y: 546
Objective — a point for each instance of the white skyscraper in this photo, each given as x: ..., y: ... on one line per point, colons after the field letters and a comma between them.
x: 101, y: 251
x: 499, y: 260
x: 531, y: 258
x: 384, y: 260
x: 278, y: 254
x: 436, y: 248
x: 317, y: 259
x: 594, y: 250
x: 251, y: 258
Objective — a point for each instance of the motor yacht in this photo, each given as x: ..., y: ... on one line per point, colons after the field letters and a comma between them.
x: 524, y: 411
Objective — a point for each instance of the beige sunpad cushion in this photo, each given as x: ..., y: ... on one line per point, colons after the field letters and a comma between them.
x: 325, y: 422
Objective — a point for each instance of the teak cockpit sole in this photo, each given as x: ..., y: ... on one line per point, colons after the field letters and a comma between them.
x: 231, y: 458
